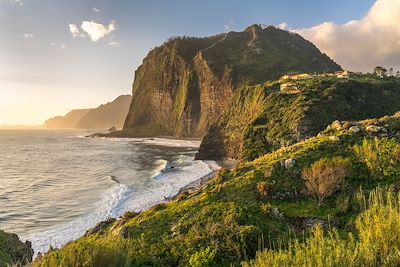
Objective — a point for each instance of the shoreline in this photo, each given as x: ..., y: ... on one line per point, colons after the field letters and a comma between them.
x: 198, y: 185
x: 193, y: 187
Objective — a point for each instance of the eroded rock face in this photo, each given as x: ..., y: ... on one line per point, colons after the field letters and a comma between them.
x: 185, y: 85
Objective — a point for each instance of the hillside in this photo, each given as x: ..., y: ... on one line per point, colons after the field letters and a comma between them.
x: 13, y: 251
x: 111, y: 114
x: 107, y: 115
x: 263, y: 118
x: 266, y: 202
x: 185, y: 84
x: 69, y: 120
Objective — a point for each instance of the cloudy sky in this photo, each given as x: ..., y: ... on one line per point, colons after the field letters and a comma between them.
x: 56, y: 55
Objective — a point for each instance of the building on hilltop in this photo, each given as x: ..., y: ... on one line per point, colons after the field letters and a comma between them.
x: 343, y: 74
x: 296, y: 76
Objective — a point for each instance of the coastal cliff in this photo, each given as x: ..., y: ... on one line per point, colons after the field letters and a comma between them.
x: 184, y: 85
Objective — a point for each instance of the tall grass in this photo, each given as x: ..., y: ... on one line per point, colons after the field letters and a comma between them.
x: 376, y: 241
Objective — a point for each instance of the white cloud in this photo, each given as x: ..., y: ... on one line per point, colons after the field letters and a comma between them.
x: 73, y: 29
x: 96, y: 10
x: 230, y: 25
x: 282, y: 26
x: 63, y: 46
x: 113, y: 43
x: 94, y: 30
x: 17, y: 2
x: 29, y: 35
x: 362, y: 44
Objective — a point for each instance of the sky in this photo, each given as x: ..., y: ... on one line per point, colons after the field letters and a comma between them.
x: 58, y: 55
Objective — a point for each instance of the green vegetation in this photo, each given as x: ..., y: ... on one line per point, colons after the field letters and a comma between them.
x: 263, y: 205
x: 13, y: 251
x: 286, y: 117
x: 374, y: 242
x: 382, y: 157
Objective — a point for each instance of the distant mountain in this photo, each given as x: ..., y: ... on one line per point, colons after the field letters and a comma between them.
x: 184, y: 85
x: 105, y: 116
x: 70, y: 120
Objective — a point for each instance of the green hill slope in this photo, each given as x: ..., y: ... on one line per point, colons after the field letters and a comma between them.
x: 260, y: 204
x: 263, y: 118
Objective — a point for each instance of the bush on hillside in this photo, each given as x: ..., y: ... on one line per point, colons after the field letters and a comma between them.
x: 382, y: 156
x: 375, y: 243
x: 324, y: 177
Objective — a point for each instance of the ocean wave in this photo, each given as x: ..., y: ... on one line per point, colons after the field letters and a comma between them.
x: 161, y: 165
x: 161, y: 142
x: 59, y: 235
x: 120, y: 199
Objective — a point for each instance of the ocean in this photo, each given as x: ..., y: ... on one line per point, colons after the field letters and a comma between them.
x: 57, y: 184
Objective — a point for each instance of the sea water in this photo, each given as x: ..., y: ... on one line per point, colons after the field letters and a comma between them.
x: 57, y: 184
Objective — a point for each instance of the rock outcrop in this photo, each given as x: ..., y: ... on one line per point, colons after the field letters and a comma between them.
x: 184, y: 86
x: 13, y: 251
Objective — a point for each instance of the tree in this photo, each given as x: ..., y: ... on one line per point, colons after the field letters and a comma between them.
x: 324, y: 177
x: 380, y: 71
x: 391, y: 72
x: 397, y: 74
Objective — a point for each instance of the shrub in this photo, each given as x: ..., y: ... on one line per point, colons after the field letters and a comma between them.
x: 342, y: 202
x: 266, y: 208
x: 324, y: 177
x: 202, y: 258
x: 262, y: 189
x: 376, y: 241
x: 382, y: 156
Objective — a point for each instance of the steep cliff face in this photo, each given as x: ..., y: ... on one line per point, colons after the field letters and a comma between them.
x: 187, y: 83
x: 262, y: 118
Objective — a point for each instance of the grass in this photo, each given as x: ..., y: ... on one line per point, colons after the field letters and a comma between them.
x: 229, y: 221
x: 373, y: 243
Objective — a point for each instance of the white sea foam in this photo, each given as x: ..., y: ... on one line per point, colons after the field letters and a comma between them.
x: 120, y: 199
x: 59, y: 235
x: 72, y: 184
x: 162, y: 142
x: 160, y: 166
